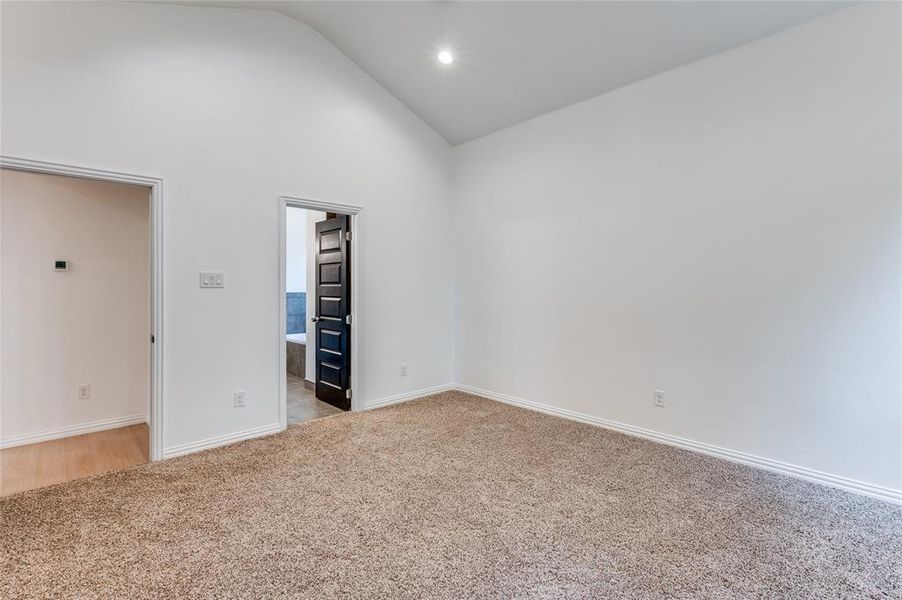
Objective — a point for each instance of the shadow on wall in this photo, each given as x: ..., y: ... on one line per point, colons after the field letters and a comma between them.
x: 296, y: 312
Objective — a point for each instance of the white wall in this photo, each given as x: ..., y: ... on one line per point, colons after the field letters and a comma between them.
x: 87, y: 326
x: 296, y: 250
x: 233, y: 108
x: 728, y: 232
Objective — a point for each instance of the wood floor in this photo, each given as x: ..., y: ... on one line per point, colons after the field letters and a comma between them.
x: 37, y: 465
x: 303, y: 405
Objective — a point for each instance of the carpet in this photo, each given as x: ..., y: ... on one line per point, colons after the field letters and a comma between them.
x: 451, y: 496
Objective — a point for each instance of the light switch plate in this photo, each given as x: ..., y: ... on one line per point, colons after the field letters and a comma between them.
x: 212, y: 279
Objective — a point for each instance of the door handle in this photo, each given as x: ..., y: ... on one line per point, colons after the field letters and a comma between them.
x: 314, y: 320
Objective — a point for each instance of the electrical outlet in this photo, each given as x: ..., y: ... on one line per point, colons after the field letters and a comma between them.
x: 659, y: 399
x: 404, y: 370
x: 239, y: 399
x: 84, y: 392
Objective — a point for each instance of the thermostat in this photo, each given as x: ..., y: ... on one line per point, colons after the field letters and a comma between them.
x: 61, y: 265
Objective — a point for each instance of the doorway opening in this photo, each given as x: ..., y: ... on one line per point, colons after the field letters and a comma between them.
x: 78, y: 279
x: 319, y: 304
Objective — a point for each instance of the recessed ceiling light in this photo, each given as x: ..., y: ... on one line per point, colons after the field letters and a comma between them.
x: 445, y: 57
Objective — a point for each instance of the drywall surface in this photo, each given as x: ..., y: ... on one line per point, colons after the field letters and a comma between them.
x: 233, y: 108
x: 728, y: 232
x: 296, y: 250
x: 89, y: 325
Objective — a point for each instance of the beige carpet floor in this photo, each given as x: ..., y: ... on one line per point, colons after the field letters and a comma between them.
x: 447, y: 497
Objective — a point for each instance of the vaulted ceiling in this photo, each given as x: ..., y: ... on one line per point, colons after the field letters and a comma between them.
x: 517, y: 60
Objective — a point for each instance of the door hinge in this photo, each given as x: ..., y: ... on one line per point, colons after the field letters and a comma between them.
x: 152, y: 339
x: 348, y: 235
x: 348, y: 393
x: 347, y: 319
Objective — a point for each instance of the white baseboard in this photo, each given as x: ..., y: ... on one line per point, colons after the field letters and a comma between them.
x: 776, y: 466
x: 389, y: 400
x: 248, y: 434
x: 220, y: 440
x: 70, y: 430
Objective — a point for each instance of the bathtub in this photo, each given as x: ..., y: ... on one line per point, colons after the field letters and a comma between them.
x: 296, y: 354
x: 297, y: 338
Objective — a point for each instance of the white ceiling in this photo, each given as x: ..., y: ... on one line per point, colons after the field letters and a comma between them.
x: 518, y: 60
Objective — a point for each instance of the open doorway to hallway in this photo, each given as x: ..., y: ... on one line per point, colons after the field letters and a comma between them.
x: 317, y: 309
x: 75, y: 321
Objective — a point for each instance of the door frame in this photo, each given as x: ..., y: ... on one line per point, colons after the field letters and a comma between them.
x: 355, y: 213
x: 155, y: 185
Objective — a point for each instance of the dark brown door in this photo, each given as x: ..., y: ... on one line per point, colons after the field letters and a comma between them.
x: 333, y: 312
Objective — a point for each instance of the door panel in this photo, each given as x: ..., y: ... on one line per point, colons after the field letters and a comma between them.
x: 330, y: 273
x: 333, y: 309
x: 330, y: 307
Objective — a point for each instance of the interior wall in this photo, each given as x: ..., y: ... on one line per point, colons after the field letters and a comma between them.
x: 233, y: 108
x: 296, y: 250
x: 728, y: 232
x: 86, y: 326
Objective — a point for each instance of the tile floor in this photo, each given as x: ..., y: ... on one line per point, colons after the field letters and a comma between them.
x: 303, y: 405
